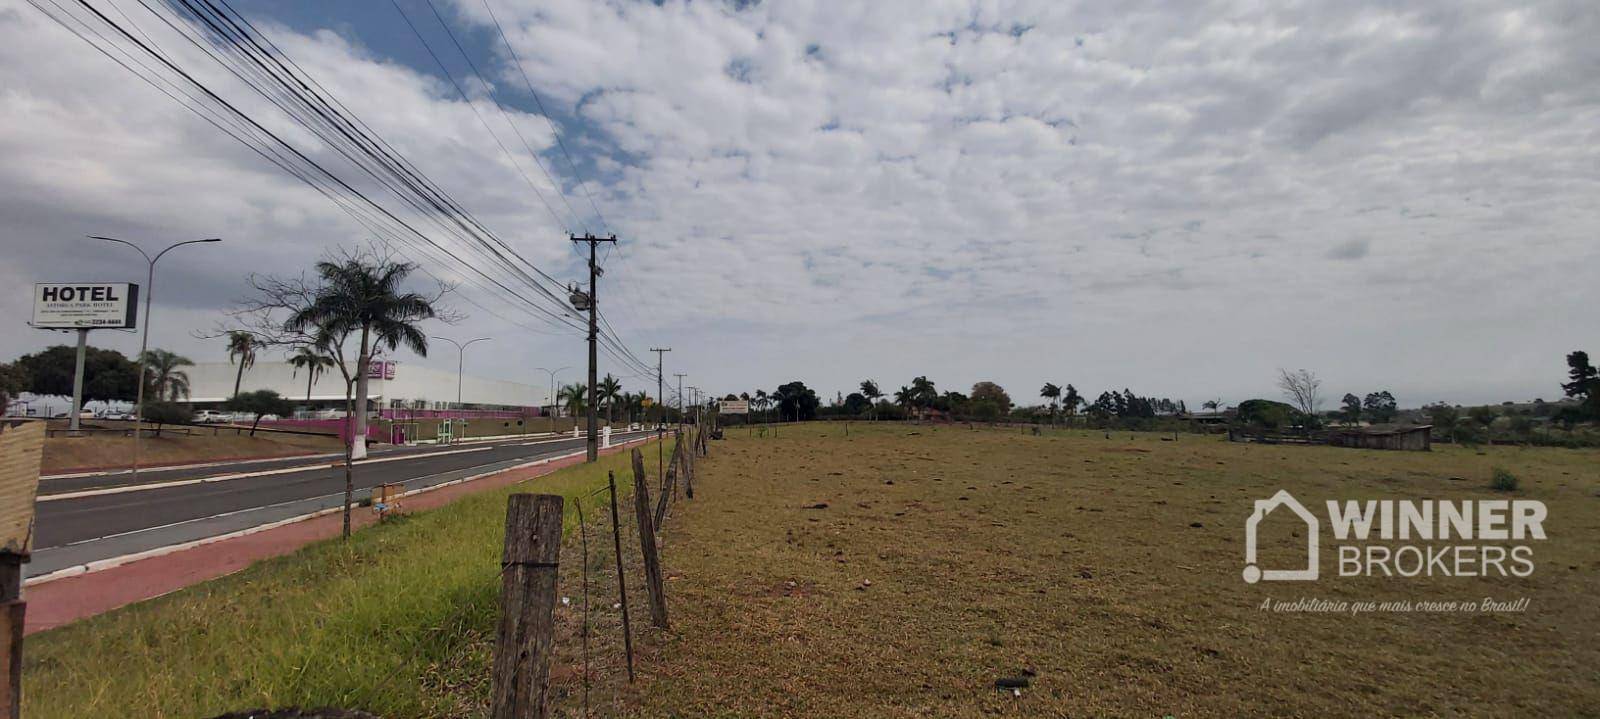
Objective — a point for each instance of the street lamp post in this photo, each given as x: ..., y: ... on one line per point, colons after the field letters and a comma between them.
x: 461, y: 359
x: 144, y: 340
x: 553, y: 373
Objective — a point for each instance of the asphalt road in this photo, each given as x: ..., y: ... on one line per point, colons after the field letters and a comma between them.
x: 85, y: 519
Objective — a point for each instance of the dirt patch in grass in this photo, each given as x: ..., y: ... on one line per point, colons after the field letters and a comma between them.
x: 65, y: 454
x: 1105, y: 574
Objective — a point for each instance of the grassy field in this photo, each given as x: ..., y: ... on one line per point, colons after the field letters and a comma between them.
x: 398, y: 621
x: 1108, y: 569
x: 100, y: 451
x: 1105, y: 571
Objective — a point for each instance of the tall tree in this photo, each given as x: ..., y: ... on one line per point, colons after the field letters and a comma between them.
x: 1380, y: 407
x: 1584, y: 384
x: 107, y: 374
x: 1445, y: 419
x: 1070, y: 401
x: 1303, y: 388
x: 311, y: 359
x: 869, y: 390
x: 13, y: 381
x: 991, y: 392
x: 164, y: 377
x: 797, y: 401
x: 1053, y: 393
x: 1352, y: 409
x: 242, y: 346
x: 608, y: 391
x: 923, y: 394
x: 904, y: 398
x: 364, y: 296
x: 573, y: 397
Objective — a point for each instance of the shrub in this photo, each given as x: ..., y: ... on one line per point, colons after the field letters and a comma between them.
x: 162, y: 413
x: 1503, y: 481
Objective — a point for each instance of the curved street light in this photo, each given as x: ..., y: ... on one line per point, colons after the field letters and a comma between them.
x: 461, y: 359
x: 144, y: 341
x: 553, y: 373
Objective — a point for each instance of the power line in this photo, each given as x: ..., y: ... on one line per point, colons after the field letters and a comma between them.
x: 266, y: 69
x: 540, y: 103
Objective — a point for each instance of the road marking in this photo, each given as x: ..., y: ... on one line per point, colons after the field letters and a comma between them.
x: 111, y: 562
x: 241, y: 475
x: 197, y: 465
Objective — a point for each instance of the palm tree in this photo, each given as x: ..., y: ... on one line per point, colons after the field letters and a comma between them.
x: 362, y: 295
x: 905, y: 398
x: 760, y: 401
x: 608, y: 391
x: 922, y: 394
x: 1070, y: 402
x: 869, y: 389
x: 365, y: 296
x: 314, y: 361
x: 572, y: 396
x: 242, y: 346
x: 163, y: 375
x: 1051, y: 392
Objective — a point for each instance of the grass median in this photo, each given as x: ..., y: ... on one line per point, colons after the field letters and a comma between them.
x: 398, y: 621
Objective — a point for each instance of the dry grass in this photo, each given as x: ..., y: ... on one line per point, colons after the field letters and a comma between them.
x: 101, y: 451
x: 1109, y: 568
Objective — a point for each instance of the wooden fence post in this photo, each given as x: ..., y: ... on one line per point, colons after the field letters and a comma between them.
x: 528, y: 571
x: 647, y: 544
x: 21, y: 451
x: 688, y: 465
x: 13, y: 614
x: 668, y: 485
x: 622, y: 582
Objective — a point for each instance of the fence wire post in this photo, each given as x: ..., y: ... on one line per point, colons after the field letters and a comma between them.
x: 583, y: 533
x: 529, y: 567
x: 622, y: 584
x: 647, y: 545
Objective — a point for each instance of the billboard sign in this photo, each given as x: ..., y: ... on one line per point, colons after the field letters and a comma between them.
x: 737, y: 406
x: 381, y: 369
x: 85, y: 305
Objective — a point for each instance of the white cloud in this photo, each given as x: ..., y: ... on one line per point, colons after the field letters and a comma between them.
x: 1113, y: 195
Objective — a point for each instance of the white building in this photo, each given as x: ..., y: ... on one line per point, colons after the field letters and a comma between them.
x: 395, y: 385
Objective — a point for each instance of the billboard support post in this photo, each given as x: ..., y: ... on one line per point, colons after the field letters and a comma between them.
x: 77, y: 381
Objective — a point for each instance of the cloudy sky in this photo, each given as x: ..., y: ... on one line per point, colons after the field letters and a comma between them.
x: 1178, y: 198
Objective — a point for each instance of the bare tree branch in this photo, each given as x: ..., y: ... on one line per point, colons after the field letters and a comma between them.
x: 1302, y: 387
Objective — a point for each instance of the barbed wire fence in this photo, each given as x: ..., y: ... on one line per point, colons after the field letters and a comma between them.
x: 581, y: 651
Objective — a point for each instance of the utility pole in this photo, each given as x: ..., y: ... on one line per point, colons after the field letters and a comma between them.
x: 659, y: 352
x: 590, y: 302
x: 680, y: 396
x: 661, y: 425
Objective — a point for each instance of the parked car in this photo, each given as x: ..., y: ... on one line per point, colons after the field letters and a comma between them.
x: 211, y: 416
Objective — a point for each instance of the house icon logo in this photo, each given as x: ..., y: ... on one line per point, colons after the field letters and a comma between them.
x: 1253, y: 573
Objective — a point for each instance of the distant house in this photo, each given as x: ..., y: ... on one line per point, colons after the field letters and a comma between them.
x: 1412, y: 437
